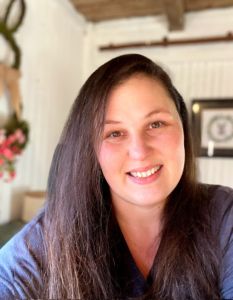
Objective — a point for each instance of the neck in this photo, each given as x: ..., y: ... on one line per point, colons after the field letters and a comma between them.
x: 141, y: 228
x: 139, y: 218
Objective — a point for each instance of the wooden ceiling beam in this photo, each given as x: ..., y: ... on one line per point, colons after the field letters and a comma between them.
x: 174, y: 11
x: 100, y: 10
x: 193, y: 5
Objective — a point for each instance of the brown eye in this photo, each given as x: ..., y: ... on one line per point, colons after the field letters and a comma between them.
x: 156, y: 124
x: 114, y: 134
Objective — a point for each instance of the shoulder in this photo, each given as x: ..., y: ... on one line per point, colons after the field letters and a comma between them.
x: 221, y: 203
x: 216, y: 198
x: 221, y: 193
x: 222, y: 218
x: 22, y: 260
x: 221, y: 211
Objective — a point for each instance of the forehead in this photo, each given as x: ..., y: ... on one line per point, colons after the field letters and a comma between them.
x: 139, y: 94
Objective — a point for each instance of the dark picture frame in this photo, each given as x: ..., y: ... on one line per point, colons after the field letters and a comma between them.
x: 212, y: 125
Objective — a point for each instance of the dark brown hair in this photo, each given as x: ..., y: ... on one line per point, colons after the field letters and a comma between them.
x: 78, y: 212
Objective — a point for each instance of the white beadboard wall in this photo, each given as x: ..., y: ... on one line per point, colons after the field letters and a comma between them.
x: 51, y: 39
x: 198, y: 71
x: 60, y: 49
x: 52, y: 45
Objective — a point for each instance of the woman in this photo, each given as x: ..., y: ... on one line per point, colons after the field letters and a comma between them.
x: 125, y: 216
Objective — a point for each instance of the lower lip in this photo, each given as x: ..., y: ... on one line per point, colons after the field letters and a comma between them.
x: 146, y: 180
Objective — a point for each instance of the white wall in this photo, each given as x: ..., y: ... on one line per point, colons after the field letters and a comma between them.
x: 199, y: 71
x: 60, y: 50
x: 51, y: 39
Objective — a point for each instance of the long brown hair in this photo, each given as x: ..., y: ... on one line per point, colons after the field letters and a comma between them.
x: 78, y: 212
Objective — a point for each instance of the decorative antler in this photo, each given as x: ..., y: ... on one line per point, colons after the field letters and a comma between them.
x: 7, y: 32
x: 11, y: 74
x: 21, y: 16
x: 12, y: 79
x: 14, y: 134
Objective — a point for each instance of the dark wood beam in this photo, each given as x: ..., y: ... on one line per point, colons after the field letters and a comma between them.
x: 166, y: 42
x: 174, y: 11
x: 193, y: 5
x: 100, y: 10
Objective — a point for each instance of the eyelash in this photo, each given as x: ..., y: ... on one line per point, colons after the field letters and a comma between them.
x: 117, y: 133
x: 114, y: 134
x: 160, y: 123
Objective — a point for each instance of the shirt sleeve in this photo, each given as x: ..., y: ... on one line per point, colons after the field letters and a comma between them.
x: 225, y: 207
x: 21, y: 263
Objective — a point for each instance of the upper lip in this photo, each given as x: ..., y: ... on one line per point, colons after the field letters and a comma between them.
x: 144, y: 169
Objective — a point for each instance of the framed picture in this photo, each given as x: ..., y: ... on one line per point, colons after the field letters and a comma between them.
x: 212, y: 124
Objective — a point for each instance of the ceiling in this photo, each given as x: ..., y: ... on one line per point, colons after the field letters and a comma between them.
x: 174, y: 10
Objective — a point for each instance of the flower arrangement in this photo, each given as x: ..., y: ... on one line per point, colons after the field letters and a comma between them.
x: 13, y: 140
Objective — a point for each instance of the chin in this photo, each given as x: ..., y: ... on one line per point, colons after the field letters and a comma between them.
x: 145, y: 201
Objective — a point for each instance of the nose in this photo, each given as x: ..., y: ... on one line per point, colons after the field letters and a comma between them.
x: 139, y: 147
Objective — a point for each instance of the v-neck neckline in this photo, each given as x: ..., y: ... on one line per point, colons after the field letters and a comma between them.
x: 130, y: 279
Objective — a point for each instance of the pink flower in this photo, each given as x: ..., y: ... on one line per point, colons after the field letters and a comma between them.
x: 16, y: 150
x: 20, y: 136
x: 7, y: 142
x: 8, y: 153
x: 11, y: 139
x: 11, y: 146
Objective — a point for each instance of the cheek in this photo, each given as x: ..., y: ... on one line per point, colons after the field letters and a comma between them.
x: 103, y: 157
x: 173, y: 144
x: 108, y: 157
x: 177, y: 142
x: 172, y: 140
x: 111, y: 163
x: 177, y: 151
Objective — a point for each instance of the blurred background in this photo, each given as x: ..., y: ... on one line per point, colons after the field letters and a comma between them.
x: 63, y: 41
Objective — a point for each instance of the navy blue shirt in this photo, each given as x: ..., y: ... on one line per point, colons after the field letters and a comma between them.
x: 22, y: 259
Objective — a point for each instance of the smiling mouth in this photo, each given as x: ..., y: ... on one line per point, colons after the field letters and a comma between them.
x: 145, y: 174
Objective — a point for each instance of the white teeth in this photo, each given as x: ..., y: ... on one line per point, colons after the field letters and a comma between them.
x: 145, y: 174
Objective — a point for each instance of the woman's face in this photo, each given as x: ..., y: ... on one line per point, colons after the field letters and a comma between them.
x: 141, y: 153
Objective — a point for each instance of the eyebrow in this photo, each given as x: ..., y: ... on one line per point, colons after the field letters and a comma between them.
x: 157, y: 111
x: 153, y: 112
x: 112, y: 122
